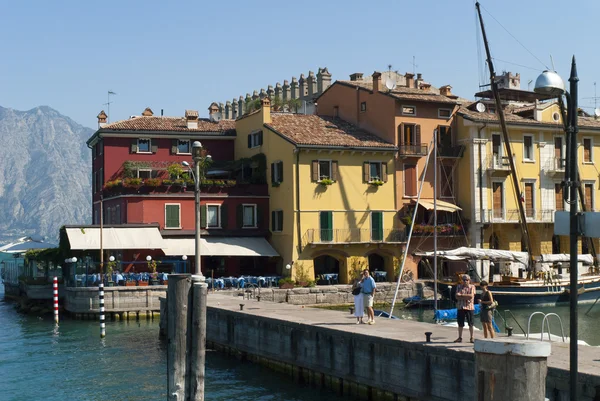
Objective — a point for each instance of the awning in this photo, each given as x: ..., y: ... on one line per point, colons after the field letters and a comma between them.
x: 441, y: 205
x: 220, y: 246
x: 88, y: 238
x: 26, y: 244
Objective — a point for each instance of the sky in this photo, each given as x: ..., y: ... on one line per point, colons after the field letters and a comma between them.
x: 186, y: 54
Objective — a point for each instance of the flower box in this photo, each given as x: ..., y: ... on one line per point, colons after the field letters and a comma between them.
x: 130, y: 284
x: 142, y: 283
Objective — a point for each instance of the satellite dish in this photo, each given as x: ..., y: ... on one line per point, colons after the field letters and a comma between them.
x: 390, y: 84
x: 216, y: 117
x: 597, y: 112
x: 480, y: 107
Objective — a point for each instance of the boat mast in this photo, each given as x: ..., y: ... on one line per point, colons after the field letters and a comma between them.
x: 435, y: 185
x: 513, y: 171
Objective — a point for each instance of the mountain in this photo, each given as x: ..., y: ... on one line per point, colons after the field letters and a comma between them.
x: 45, y: 173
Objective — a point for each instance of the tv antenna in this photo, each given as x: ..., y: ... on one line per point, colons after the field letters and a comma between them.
x: 595, y: 99
x: 107, y: 104
x: 414, y: 64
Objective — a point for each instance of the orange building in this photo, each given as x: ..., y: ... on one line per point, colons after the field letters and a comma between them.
x: 406, y: 111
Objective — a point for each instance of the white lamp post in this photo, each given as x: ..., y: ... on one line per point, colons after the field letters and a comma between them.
x: 111, y: 258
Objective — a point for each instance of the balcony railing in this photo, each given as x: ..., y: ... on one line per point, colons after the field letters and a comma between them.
x: 498, y: 164
x: 413, y: 150
x: 443, y: 230
x: 512, y: 216
x: 450, y: 152
x: 352, y: 236
x: 556, y: 165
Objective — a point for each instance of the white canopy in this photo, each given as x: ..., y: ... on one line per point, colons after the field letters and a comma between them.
x: 480, y: 253
x: 220, y: 246
x: 81, y: 238
x: 565, y: 257
x: 25, y: 244
x: 441, y: 205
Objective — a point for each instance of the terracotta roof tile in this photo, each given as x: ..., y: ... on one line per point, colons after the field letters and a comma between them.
x: 166, y: 124
x: 585, y: 122
x: 324, y: 131
x: 404, y: 93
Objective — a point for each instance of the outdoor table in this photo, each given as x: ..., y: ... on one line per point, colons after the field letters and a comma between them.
x: 331, y: 278
x: 380, y: 275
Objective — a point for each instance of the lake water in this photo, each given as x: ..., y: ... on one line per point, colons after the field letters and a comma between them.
x: 71, y: 362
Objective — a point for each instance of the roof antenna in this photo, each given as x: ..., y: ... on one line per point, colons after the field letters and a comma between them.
x: 529, y: 84
x: 552, y: 62
x: 161, y: 112
x: 414, y: 65
x: 107, y: 104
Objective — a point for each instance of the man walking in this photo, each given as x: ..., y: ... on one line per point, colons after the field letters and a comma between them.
x: 368, y: 289
x: 465, y: 293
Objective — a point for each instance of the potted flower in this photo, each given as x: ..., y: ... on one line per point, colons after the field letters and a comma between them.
x: 153, y: 274
x: 326, y: 182
x: 110, y: 267
x: 286, y: 283
x: 376, y: 183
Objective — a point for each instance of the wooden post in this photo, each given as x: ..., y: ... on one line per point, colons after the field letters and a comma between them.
x: 177, y: 315
x: 197, y: 351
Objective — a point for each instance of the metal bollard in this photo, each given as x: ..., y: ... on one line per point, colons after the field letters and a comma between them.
x: 241, y: 306
x: 509, y: 330
x: 351, y: 310
x: 258, y: 298
x: 428, y: 336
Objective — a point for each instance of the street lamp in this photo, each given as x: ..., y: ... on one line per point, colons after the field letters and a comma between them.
x: 551, y: 84
x: 111, y: 259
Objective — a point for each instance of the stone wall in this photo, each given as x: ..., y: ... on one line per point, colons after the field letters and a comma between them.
x: 116, y: 299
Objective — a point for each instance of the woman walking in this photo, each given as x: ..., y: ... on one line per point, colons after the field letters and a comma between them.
x: 487, y: 302
x: 359, y: 307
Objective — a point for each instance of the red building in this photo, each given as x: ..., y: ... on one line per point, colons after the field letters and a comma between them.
x: 139, y: 177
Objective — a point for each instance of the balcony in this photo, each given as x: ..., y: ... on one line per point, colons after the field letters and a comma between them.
x: 352, y: 236
x: 153, y: 186
x: 512, y: 216
x: 443, y: 230
x: 556, y: 166
x: 451, y: 152
x: 498, y: 165
x: 412, y: 150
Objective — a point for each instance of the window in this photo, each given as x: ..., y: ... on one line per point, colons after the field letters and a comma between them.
x: 376, y: 226
x: 324, y: 169
x: 409, y: 110
x: 172, y: 215
x: 529, y: 200
x: 213, y: 214
x: 588, y: 194
x: 326, y: 226
x: 528, y: 148
x: 444, y: 113
x: 410, y: 180
x: 587, y: 150
x: 277, y: 220
x: 558, y: 196
x: 444, y: 137
x: 277, y: 172
x: 498, y: 200
x: 363, y: 106
x: 143, y: 146
x: 183, y: 146
x: 409, y: 135
x: 144, y: 173
x: 249, y: 216
x: 255, y: 139
x: 374, y: 171
x: 336, y: 111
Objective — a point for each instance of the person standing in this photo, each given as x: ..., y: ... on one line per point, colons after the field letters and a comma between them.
x: 487, y: 302
x: 368, y: 289
x: 465, y: 307
x: 359, y: 305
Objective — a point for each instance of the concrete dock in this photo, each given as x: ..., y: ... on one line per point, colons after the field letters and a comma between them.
x: 387, y: 360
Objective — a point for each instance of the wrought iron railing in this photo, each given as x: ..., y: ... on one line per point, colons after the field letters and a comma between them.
x: 413, y: 150
x: 351, y: 235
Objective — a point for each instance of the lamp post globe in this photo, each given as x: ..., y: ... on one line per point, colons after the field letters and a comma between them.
x: 184, y: 257
x: 196, y: 150
x: 549, y: 83
x: 74, y: 259
x: 111, y: 258
x: 288, y: 266
x: 185, y: 164
x: 148, y: 258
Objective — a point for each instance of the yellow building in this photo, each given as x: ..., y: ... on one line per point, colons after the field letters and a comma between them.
x: 332, y: 193
x: 538, y: 146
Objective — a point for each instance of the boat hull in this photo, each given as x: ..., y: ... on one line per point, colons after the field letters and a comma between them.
x: 509, y: 295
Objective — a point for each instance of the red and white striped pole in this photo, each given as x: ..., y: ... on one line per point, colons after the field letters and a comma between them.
x: 55, y: 290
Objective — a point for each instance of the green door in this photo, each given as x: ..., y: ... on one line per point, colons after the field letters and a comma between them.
x: 326, y: 222
x: 376, y: 226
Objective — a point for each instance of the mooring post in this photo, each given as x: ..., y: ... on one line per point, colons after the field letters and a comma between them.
x: 197, y: 344
x: 55, y: 291
x: 101, y: 299
x: 177, y: 314
x: 511, y: 369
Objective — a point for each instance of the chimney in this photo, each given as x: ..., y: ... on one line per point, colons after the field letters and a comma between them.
x: 285, y: 90
x: 212, y: 109
x: 410, y: 79
x: 102, y: 119
x: 311, y: 82
x: 302, y: 86
x: 191, y: 116
x: 278, y: 90
x: 446, y: 90
x: 294, y: 89
x: 241, y: 106
x: 147, y: 112
x: 323, y: 80
x: 266, y: 110
x: 254, y: 95
x: 425, y: 86
x: 376, y: 81
x: 357, y: 76
x: 228, y: 110
x: 270, y: 92
x: 234, y: 109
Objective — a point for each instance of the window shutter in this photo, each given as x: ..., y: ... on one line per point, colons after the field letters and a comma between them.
x: 260, y: 218
x: 315, y: 170
x: 273, y: 228
x: 260, y: 138
x: 154, y: 148
x: 174, y: 144
x: 272, y: 173
x: 280, y: 171
x: 334, y: 170
x: 366, y: 172
x: 418, y: 134
x: 249, y: 140
x: 384, y: 176
x: 281, y: 220
x: 134, y: 147
x: 240, y: 216
x: 400, y: 136
x: 224, y: 216
x: 93, y: 152
x: 203, y: 216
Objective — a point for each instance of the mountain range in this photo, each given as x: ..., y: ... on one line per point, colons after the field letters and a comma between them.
x: 45, y: 173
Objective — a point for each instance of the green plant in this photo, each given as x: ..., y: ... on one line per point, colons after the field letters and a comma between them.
x: 356, y: 265
x: 275, y: 184
x: 406, y: 220
x: 286, y: 280
x: 175, y: 171
x: 301, y: 273
x: 132, y: 182
x: 131, y: 167
x: 252, y: 105
x: 376, y: 183
x: 294, y: 105
x: 180, y: 182
x: 110, y: 268
x: 277, y: 103
x: 167, y: 182
x: 312, y: 283
x: 397, y: 263
x: 153, y: 182
x: 113, y: 184
x: 152, y: 268
x: 326, y: 181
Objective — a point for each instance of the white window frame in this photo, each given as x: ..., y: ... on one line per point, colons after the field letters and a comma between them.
x: 179, y: 208
x: 444, y: 117
x: 591, y: 150
x: 532, y: 158
x: 380, y: 170
x: 534, y: 194
x: 254, y: 139
x: 503, y: 201
x: 143, y: 169
x: 593, y: 184
x: 319, y: 169
x: 277, y: 174
x: 189, y: 147
x: 219, y: 223
x: 255, y: 214
x: 404, y: 195
x: 281, y: 223
x: 149, y: 145
x: 414, y: 113
x: 361, y: 107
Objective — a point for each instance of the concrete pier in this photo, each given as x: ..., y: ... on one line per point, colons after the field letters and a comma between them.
x: 117, y: 300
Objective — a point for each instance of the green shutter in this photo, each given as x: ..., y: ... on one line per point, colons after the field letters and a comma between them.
x: 203, y: 216
x: 280, y: 171
x: 172, y: 216
x: 272, y: 173
x: 240, y: 216
x: 376, y: 226
x: 260, y: 218
x: 224, y: 216
x: 326, y: 220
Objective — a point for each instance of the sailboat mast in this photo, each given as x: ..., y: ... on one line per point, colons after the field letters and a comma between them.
x: 435, y: 196
x: 513, y: 171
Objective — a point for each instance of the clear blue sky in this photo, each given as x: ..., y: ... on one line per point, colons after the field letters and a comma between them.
x: 184, y: 55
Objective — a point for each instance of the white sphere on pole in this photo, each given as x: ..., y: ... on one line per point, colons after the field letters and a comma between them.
x: 148, y: 258
x: 184, y: 257
x: 111, y: 258
x: 288, y: 266
x: 74, y: 259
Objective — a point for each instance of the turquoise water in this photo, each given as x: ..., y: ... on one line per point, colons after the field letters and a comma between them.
x: 71, y: 362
